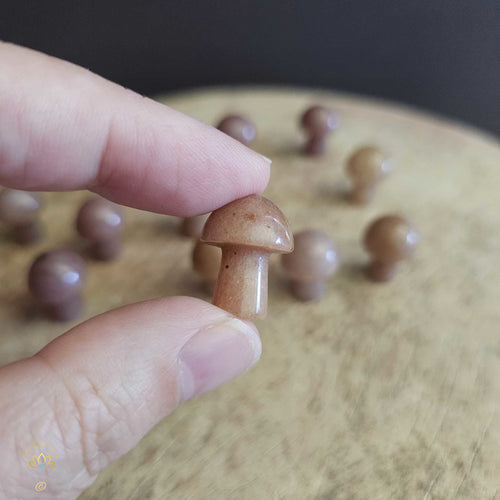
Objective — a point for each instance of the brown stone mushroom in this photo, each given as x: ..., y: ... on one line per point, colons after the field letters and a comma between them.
x: 367, y: 167
x: 55, y: 280
x: 238, y: 127
x: 206, y: 263
x: 19, y: 211
x: 193, y: 226
x: 100, y: 221
x: 318, y: 122
x: 313, y: 260
x: 248, y: 230
x: 388, y: 240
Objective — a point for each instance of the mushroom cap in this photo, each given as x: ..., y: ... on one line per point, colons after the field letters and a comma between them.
x: 253, y: 221
x: 99, y: 220
x: 238, y: 127
x: 19, y: 207
x: 390, y: 238
x: 56, y: 276
x: 318, y: 120
x: 314, y: 257
x: 206, y: 260
x: 368, y: 165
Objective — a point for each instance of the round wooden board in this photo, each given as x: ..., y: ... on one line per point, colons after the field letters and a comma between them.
x: 378, y: 391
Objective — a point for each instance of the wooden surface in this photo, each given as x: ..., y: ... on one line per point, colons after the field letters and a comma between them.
x: 378, y: 391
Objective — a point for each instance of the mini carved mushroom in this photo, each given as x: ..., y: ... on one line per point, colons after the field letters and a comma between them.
x: 55, y: 280
x: 367, y: 167
x: 313, y: 260
x: 193, y: 226
x: 206, y: 263
x: 318, y: 122
x: 100, y: 221
x: 388, y: 240
x: 248, y: 230
x: 238, y: 127
x: 19, y: 210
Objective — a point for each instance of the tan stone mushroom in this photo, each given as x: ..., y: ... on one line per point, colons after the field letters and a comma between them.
x: 19, y: 211
x: 388, y: 240
x: 55, y: 281
x: 247, y: 230
x: 238, y: 127
x: 313, y: 260
x: 101, y: 222
x: 366, y: 167
x: 318, y: 122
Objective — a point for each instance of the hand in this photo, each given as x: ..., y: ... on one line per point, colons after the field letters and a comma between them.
x: 96, y: 390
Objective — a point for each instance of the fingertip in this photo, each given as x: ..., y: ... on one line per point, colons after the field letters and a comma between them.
x: 250, y: 331
x: 131, y: 367
x: 97, y: 135
x: 217, y: 354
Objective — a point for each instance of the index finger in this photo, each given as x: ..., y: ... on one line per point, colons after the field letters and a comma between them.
x: 64, y: 128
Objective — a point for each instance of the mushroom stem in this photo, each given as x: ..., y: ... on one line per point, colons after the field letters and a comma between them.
x: 315, y: 145
x: 241, y: 287
x: 27, y: 233
x: 380, y: 271
x: 362, y: 194
x: 106, y: 249
x: 64, y: 311
x: 307, y: 291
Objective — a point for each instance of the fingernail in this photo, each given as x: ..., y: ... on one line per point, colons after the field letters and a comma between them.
x: 217, y: 354
x: 267, y: 159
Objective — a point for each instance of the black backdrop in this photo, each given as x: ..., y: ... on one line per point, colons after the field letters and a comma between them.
x: 442, y: 55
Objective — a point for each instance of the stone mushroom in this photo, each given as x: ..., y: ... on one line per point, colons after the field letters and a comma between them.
x: 318, y: 122
x: 313, y: 260
x: 55, y: 280
x: 19, y: 210
x: 100, y: 221
x: 367, y: 167
x: 193, y: 226
x: 248, y: 230
x: 206, y: 263
x: 238, y: 127
x: 388, y: 240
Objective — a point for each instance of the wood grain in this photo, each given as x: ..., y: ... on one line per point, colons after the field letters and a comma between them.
x: 378, y: 391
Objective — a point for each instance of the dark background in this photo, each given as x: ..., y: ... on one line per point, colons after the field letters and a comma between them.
x: 442, y: 55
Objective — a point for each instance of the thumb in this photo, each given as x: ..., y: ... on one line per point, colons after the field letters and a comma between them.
x: 96, y: 390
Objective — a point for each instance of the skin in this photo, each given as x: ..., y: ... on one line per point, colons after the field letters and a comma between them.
x: 64, y: 128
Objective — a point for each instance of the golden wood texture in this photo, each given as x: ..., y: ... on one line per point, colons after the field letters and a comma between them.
x: 378, y: 391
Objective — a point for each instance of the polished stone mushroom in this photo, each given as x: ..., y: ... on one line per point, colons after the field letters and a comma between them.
x: 19, y: 211
x: 55, y: 280
x: 248, y: 230
x: 318, y: 122
x: 313, y: 260
x: 193, y: 226
x: 238, y: 127
x: 388, y: 240
x: 101, y: 222
x: 206, y: 262
x: 366, y: 167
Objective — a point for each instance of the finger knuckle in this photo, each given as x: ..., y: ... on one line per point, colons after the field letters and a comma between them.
x: 90, y: 423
